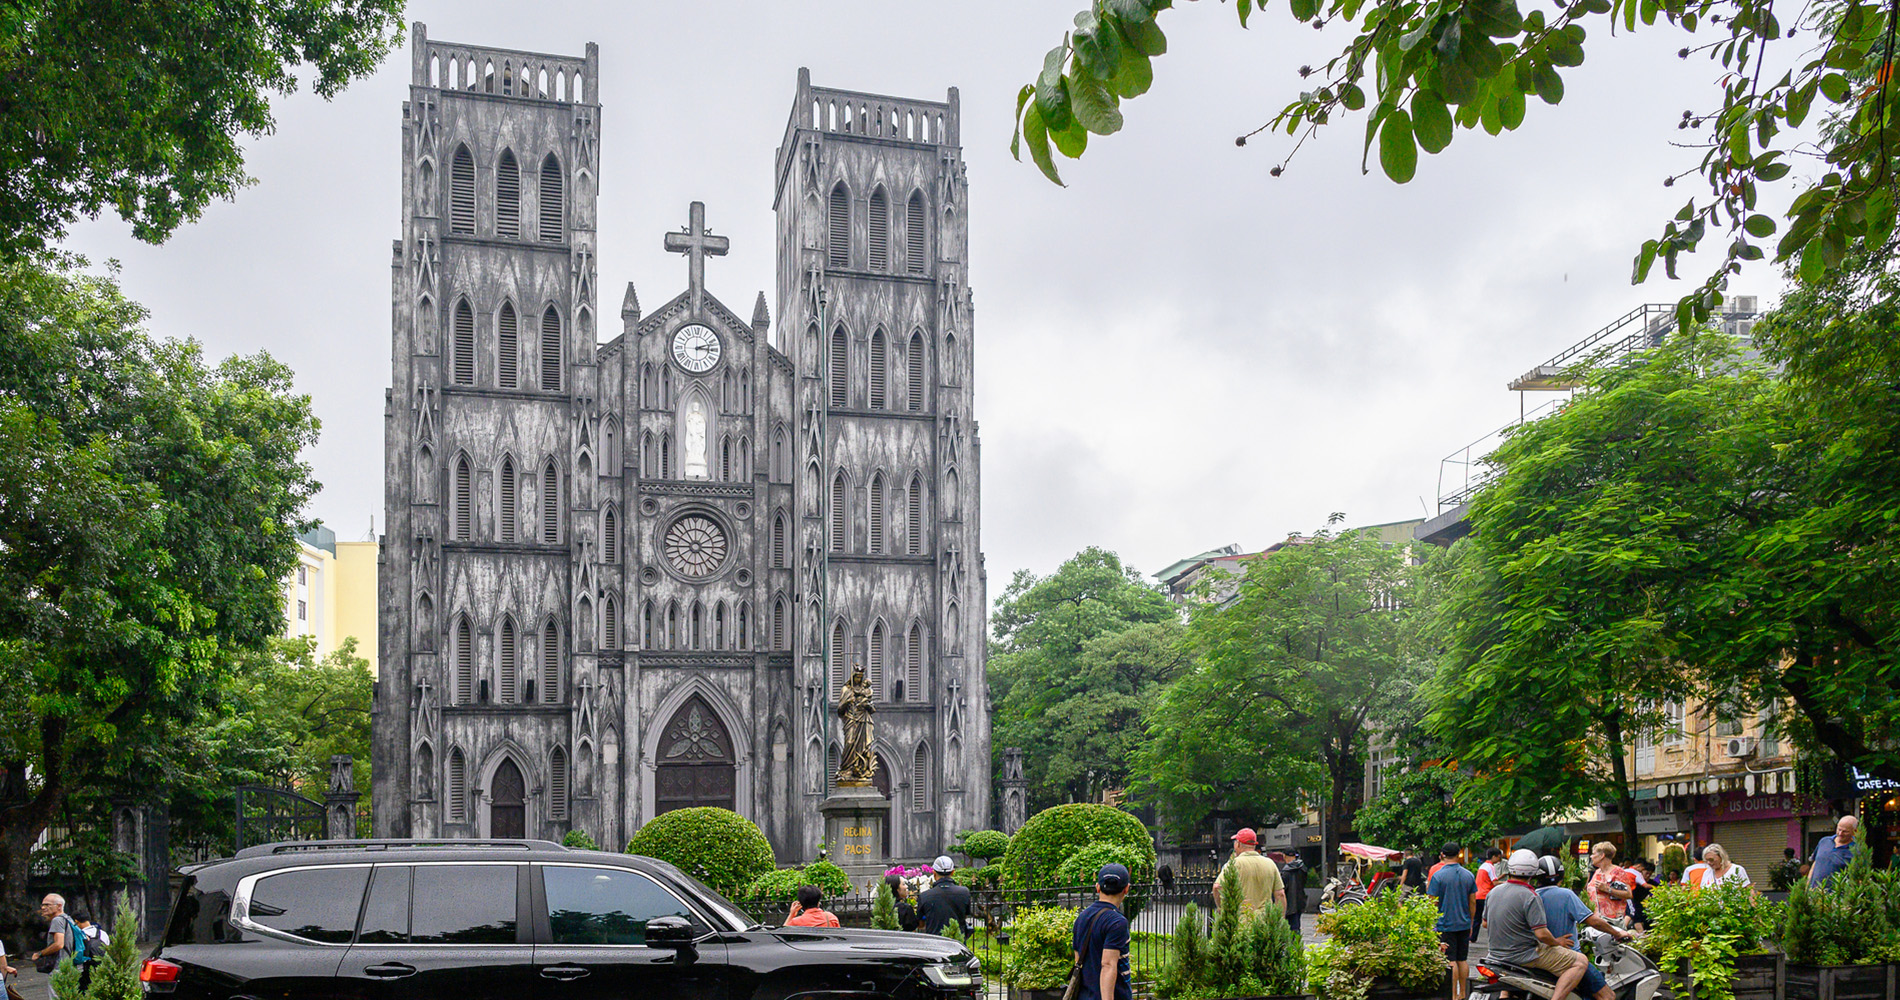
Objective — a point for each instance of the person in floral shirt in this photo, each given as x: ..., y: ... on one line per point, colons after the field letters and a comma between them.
x: 1610, y: 887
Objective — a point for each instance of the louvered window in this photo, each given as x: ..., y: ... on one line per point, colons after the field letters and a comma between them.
x: 509, y: 667
x: 666, y: 455
x: 462, y: 192
x: 838, y: 239
x: 553, y: 218
x: 879, y: 361
x: 840, y: 536
x: 914, y: 373
x: 551, y: 350
x: 914, y: 664
x: 508, y: 348
x: 609, y: 538
x: 557, y: 784
x: 550, y: 504
x: 914, y: 233
x: 874, y: 670
x: 647, y: 612
x: 458, y: 786
x: 778, y: 624
x: 920, y: 779
x: 464, y: 503
x: 877, y: 514
x: 508, y: 505
x: 725, y: 460
x: 914, y: 518
x: 778, y: 542
x: 838, y: 658
x: 878, y: 232
x: 840, y: 370
x: 464, y: 346
x: 464, y: 663
x: 508, y: 197
x: 610, y: 624
x: 551, y: 663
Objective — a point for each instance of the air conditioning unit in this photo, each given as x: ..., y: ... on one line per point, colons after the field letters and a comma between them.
x: 1742, y: 746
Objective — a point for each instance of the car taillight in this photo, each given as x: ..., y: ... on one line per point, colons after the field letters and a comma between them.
x: 157, y: 970
x: 1488, y: 975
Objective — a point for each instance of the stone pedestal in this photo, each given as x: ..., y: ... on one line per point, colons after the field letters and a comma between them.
x: 854, y: 829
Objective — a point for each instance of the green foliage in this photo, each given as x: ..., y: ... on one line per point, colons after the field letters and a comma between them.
x: 1186, y: 969
x: 717, y: 846
x: 1390, y: 936
x: 1037, y: 851
x: 1279, y: 956
x: 1853, y: 920
x: 1674, y: 859
x: 1709, y: 928
x: 580, y: 841
x: 782, y: 884
x: 1227, y: 960
x: 1077, y: 657
x: 1785, y: 873
x: 1080, y: 868
x: 1419, y: 810
x: 986, y: 877
x: 1422, y: 72
x: 65, y: 979
x: 1245, y: 956
x: 117, y: 976
x: 985, y: 845
x: 884, y: 908
x: 1039, y: 943
x: 144, y: 110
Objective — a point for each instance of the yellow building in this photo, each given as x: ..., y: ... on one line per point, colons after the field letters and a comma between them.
x: 331, y: 596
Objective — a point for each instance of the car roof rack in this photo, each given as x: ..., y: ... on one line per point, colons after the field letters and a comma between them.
x: 384, y: 844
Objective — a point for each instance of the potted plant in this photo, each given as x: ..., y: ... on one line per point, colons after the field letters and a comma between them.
x: 1710, y: 941
x: 1842, y: 939
x: 1037, y: 967
x: 1253, y: 957
x: 1383, y: 949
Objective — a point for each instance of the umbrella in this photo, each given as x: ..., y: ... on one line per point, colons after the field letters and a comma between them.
x: 1544, y: 840
x: 1369, y: 852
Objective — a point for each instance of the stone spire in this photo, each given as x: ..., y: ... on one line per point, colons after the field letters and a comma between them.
x: 630, y: 309
x: 761, y: 317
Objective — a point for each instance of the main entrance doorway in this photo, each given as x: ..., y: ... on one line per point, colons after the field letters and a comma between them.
x: 696, y: 765
x: 507, y: 802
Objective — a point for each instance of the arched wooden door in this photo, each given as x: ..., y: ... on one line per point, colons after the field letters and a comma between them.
x: 507, y: 802
x: 696, y: 765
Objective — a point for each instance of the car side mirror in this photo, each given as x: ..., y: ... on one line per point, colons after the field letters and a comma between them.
x: 670, y: 932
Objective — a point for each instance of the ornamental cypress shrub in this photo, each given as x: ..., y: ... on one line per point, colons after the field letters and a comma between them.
x: 1227, y: 950
x: 1187, y: 955
x: 716, y: 846
x: 884, y: 908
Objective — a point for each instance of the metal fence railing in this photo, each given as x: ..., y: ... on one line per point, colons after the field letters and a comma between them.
x: 1154, y: 909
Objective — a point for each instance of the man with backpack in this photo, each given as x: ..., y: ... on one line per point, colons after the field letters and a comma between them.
x: 62, y: 939
x: 93, y: 940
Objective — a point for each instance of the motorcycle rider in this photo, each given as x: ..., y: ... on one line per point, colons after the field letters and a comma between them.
x: 1520, y: 934
x: 1563, y: 911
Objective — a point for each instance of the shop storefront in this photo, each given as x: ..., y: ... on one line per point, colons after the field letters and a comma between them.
x: 1755, y: 828
x: 1880, y: 814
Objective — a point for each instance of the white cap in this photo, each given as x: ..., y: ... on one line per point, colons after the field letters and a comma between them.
x: 1523, y: 862
x: 943, y: 864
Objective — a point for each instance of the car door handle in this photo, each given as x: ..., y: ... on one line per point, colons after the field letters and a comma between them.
x: 564, y: 973
x: 391, y: 970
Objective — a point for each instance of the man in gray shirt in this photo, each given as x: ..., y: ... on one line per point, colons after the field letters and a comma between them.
x: 1519, y: 936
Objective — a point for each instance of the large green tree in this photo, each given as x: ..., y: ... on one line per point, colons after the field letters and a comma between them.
x: 1421, y: 70
x: 149, y: 505
x: 1077, y: 657
x: 1323, y: 642
x: 142, y: 107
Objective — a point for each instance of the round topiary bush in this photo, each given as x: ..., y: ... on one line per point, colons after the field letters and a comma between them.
x: 1037, y: 851
x: 579, y: 840
x: 1080, y: 868
x: 985, y: 845
x: 716, y: 846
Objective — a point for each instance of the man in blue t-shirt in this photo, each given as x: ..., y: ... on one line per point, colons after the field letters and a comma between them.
x: 1834, y: 853
x: 1100, y: 939
x: 1453, y: 885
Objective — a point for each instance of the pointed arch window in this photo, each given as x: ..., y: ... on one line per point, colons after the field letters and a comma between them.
x: 463, y: 502
x: 666, y: 455
x: 950, y: 359
x: 647, y: 623
x: 778, y: 623
x: 611, y: 465
x: 914, y: 663
x: 725, y: 459
x: 550, y: 504
x: 507, y: 663
x: 879, y: 362
x: 914, y: 233
x: 551, y: 350
x: 507, y: 501
x: 553, y: 216
x: 742, y: 627
x: 557, y: 784
x: 507, y: 348
x: 874, y: 666
x: 719, y: 626
x: 920, y: 791
x: 609, y: 537
x: 742, y: 459
x: 840, y: 369
x: 914, y: 517
x: 877, y: 514
x: 778, y: 540
x: 781, y: 458
x: 697, y: 640
x: 914, y: 373
x: 464, y: 346
x: 508, y: 197
x: 464, y: 662
x: 609, y: 623
x: 649, y: 462
x: 551, y: 662
x: 952, y: 490
x: 838, y: 659
x: 462, y: 192
x: 838, y: 236
x: 672, y: 625
x: 839, y: 515
x: 878, y: 231
x: 458, y: 786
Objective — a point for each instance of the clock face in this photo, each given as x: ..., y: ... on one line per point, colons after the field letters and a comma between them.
x: 696, y: 348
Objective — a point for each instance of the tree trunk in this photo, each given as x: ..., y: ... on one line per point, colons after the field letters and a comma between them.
x: 1625, y: 796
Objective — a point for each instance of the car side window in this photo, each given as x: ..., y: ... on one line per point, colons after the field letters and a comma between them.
x: 463, y: 904
x: 316, y: 904
x: 606, y: 905
x: 386, y: 912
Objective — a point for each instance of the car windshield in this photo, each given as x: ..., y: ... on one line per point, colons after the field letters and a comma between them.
x: 726, y: 908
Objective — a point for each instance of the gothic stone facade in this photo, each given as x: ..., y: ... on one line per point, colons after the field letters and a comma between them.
x: 629, y: 577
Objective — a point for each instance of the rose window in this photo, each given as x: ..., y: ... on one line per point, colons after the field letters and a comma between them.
x: 695, y: 546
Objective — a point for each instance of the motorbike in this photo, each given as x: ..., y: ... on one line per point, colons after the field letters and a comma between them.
x: 1342, y: 890
x: 1628, y: 972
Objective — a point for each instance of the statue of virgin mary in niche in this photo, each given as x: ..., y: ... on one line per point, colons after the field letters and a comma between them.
x: 694, y: 438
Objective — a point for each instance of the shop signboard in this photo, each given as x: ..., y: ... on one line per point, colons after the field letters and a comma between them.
x: 1867, y: 784
x: 1277, y: 836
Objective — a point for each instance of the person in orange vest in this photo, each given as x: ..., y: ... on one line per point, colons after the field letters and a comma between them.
x: 1488, y: 875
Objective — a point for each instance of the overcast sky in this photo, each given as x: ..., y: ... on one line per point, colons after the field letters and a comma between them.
x: 1173, y: 353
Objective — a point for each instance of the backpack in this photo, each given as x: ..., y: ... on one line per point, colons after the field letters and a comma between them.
x: 81, y: 953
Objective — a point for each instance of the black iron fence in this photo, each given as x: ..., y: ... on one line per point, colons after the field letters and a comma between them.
x: 1153, y: 909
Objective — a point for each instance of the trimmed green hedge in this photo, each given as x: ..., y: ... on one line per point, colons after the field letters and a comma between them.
x: 1080, y: 868
x: 1037, y: 851
x: 782, y: 884
x: 717, y: 846
x: 985, y: 845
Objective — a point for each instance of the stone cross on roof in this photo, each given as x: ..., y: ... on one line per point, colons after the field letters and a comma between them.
x: 696, y: 242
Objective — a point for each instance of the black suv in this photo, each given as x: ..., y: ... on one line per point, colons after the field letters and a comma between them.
x: 495, y: 920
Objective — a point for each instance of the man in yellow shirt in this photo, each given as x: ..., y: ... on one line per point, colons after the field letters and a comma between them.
x: 1259, y: 877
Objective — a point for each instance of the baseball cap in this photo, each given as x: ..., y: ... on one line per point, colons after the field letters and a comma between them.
x: 943, y: 864
x: 1112, y: 877
x: 1245, y: 836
